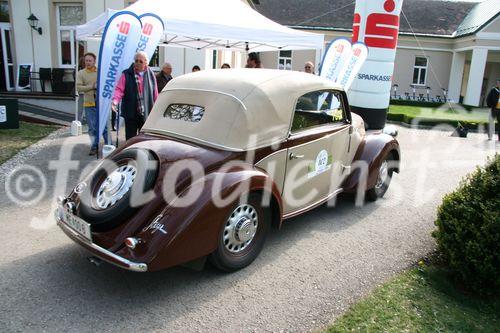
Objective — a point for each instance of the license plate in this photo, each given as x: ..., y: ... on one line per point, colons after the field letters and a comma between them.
x: 78, y: 225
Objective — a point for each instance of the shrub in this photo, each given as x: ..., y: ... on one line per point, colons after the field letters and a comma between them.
x: 426, y: 104
x: 416, y: 103
x: 468, y: 229
x: 402, y: 118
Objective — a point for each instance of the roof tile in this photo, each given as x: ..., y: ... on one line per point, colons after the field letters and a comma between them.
x: 424, y: 16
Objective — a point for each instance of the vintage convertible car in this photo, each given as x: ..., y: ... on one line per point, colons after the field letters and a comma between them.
x: 223, y: 156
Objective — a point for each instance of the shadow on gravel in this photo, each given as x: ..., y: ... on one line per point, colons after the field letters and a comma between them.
x: 41, y: 161
x: 59, y: 288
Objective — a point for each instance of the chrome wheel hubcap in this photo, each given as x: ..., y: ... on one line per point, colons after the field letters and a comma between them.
x: 240, y: 228
x: 115, y: 186
x: 383, y: 174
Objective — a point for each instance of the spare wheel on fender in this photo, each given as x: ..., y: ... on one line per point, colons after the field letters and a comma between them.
x: 106, y: 202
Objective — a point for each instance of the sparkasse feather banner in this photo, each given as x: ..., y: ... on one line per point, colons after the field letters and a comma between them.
x: 116, y: 53
x: 359, y: 53
x: 151, y: 33
x: 336, y: 55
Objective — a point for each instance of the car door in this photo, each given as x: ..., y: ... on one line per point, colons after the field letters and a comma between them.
x: 317, y: 148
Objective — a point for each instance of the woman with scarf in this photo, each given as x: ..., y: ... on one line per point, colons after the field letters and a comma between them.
x: 137, y: 91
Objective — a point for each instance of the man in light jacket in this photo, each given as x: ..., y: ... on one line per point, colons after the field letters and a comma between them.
x: 86, y: 85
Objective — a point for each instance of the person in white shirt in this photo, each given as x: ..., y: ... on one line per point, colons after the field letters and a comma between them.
x: 309, y: 67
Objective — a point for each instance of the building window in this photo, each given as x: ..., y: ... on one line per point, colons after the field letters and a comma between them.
x: 154, y: 63
x: 285, y: 60
x: 68, y: 16
x: 215, y: 59
x: 4, y: 11
x: 420, y: 71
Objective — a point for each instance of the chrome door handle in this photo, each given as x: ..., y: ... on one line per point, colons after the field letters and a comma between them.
x: 294, y: 157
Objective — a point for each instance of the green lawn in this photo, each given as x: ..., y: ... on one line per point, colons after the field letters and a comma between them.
x: 14, y: 140
x: 442, y: 113
x: 420, y: 300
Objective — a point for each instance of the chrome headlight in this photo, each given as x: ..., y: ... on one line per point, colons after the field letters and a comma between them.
x: 59, y: 213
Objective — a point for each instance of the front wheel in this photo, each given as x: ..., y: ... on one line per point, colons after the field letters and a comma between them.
x: 242, y: 235
x: 384, y: 177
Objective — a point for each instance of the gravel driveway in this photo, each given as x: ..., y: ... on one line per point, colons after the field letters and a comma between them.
x: 308, y: 274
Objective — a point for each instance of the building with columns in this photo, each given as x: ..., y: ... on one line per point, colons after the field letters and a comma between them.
x: 444, y: 47
x: 447, y: 48
x: 475, y: 64
x: 55, y: 46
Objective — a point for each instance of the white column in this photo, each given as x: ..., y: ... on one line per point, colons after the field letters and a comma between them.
x: 456, y: 76
x: 208, y: 60
x: 238, y: 57
x: 476, y: 75
x: 114, y: 4
x: 22, y: 33
x: 227, y: 57
x: 317, y: 59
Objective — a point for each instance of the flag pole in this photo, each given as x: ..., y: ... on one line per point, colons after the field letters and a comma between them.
x: 76, y: 73
x: 118, y: 124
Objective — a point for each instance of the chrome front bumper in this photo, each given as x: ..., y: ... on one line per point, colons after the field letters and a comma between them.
x: 100, y: 252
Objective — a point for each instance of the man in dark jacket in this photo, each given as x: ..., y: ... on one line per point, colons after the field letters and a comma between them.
x: 164, y: 76
x: 137, y: 91
x: 253, y: 60
x: 493, y: 101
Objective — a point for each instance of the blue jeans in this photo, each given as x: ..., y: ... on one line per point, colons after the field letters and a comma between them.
x: 90, y: 115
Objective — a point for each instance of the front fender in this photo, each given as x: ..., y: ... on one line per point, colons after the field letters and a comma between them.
x: 191, y: 232
x: 371, y: 152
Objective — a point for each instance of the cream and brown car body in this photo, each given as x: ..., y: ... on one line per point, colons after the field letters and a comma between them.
x: 283, y: 141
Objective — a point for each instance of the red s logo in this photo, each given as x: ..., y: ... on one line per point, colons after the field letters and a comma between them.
x: 381, y: 30
x: 355, y: 27
x: 124, y: 27
x: 148, y: 29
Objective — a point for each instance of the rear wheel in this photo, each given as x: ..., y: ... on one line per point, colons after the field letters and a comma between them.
x: 242, y: 235
x: 384, y: 177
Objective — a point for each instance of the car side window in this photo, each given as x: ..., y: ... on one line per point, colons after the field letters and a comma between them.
x: 318, y: 108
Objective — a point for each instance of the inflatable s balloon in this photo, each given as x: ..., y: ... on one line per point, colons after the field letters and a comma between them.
x: 376, y: 24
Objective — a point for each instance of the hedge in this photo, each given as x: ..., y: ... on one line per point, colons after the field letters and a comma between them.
x: 468, y: 229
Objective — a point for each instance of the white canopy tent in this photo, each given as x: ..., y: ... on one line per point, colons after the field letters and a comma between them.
x: 215, y: 24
